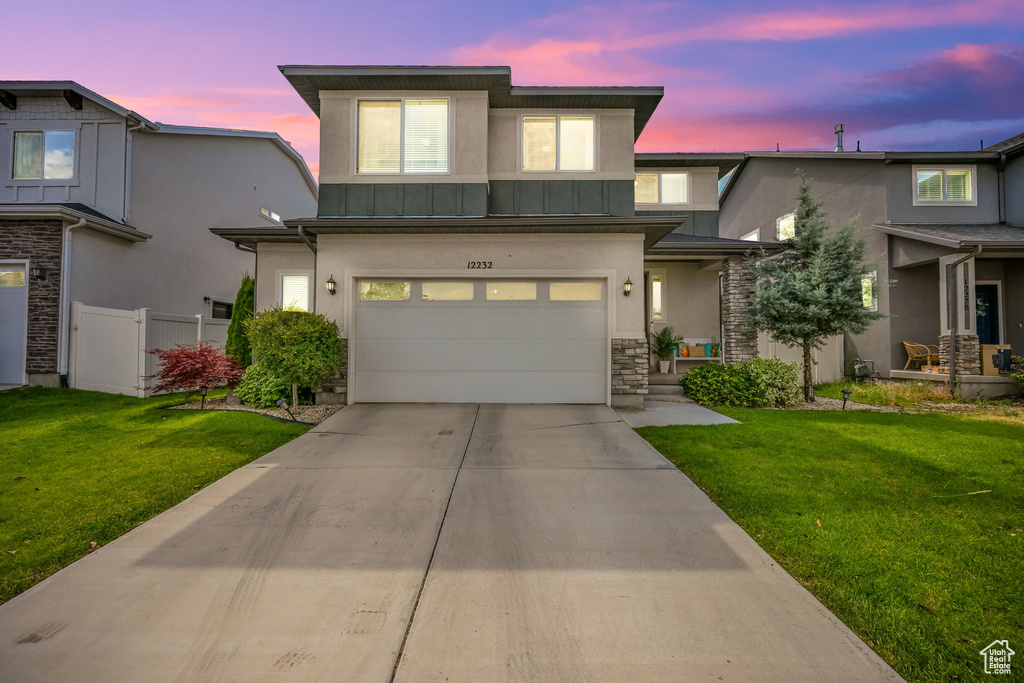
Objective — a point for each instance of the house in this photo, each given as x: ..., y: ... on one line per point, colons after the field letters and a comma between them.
x: 102, y: 206
x: 479, y: 241
x: 917, y: 212
x: 997, y: 656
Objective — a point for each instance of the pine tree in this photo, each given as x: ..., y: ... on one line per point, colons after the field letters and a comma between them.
x: 237, y: 344
x: 811, y: 290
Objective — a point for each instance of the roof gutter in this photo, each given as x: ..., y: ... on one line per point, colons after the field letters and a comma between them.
x: 64, y: 352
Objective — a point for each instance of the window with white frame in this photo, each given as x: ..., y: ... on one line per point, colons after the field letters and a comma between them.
x: 294, y: 291
x: 44, y: 155
x: 868, y: 291
x: 662, y: 188
x: 750, y: 236
x: 944, y: 185
x: 558, y: 143
x: 657, y: 296
x: 402, y: 136
x: 785, y: 227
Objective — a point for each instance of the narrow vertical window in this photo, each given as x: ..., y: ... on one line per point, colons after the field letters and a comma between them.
x: 576, y: 143
x: 657, y: 296
x: 868, y: 295
x: 785, y: 227
x: 426, y: 136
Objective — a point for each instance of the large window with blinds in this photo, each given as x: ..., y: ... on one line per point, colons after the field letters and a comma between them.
x: 294, y: 291
x: 402, y: 136
x: 558, y: 143
x: 951, y: 185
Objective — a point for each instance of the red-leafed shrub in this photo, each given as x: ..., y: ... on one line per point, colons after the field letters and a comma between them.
x: 194, y: 367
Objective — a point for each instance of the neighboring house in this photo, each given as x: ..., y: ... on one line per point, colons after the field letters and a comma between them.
x: 101, y: 206
x: 483, y: 242
x: 917, y: 211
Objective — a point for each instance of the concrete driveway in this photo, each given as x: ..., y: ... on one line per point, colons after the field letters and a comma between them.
x: 436, y: 543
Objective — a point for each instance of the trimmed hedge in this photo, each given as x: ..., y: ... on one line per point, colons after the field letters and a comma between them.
x: 756, y: 383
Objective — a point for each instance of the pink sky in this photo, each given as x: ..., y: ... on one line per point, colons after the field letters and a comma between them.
x: 738, y: 74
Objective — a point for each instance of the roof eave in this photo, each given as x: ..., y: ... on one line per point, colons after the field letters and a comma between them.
x: 67, y: 215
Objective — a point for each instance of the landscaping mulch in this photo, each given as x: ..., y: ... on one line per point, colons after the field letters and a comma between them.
x: 310, y: 414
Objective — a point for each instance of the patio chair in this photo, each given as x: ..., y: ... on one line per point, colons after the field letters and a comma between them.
x: 922, y: 353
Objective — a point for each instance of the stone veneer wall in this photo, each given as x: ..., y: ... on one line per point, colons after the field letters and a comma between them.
x: 968, y: 354
x: 335, y: 390
x: 40, y: 242
x: 629, y: 371
x: 739, y: 339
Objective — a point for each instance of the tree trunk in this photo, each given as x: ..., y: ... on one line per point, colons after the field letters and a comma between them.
x: 808, y: 375
x: 295, y: 395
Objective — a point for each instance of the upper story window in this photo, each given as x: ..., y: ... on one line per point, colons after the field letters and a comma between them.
x: 945, y: 185
x: 44, y: 155
x: 785, y: 227
x: 402, y: 136
x: 662, y: 188
x: 558, y: 143
x: 270, y: 215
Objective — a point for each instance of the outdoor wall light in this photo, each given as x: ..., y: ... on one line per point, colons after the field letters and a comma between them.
x: 627, y: 287
x: 332, y: 286
x: 37, y: 272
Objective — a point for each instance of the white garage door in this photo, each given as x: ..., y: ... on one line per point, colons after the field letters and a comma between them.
x: 481, y: 341
x: 13, y: 322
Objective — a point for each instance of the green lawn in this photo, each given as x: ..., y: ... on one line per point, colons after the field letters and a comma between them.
x: 920, y: 547
x: 80, y: 467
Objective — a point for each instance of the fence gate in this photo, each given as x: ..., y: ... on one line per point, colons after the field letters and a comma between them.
x: 109, y: 346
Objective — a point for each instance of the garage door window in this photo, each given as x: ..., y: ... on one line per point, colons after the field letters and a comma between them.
x: 447, y: 291
x: 384, y: 291
x: 575, y: 291
x: 11, y: 278
x: 511, y: 291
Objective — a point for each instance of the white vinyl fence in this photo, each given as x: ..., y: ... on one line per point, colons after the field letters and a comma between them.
x: 109, y: 346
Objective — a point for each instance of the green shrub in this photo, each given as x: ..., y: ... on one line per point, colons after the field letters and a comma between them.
x: 721, y: 385
x: 237, y: 344
x: 777, y: 382
x: 756, y: 383
x: 260, y: 389
x: 1017, y: 369
x: 300, y: 347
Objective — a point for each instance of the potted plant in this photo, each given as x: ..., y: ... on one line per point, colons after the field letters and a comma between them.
x: 663, y: 345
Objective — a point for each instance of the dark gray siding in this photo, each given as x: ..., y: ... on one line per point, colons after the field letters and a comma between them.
x: 403, y: 199
x: 561, y: 197
x: 701, y: 223
x: 1014, y: 184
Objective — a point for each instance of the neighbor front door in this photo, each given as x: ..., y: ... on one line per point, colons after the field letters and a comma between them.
x: 988, y: 313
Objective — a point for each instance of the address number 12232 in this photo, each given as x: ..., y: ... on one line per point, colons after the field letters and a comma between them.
x: 479, y: 264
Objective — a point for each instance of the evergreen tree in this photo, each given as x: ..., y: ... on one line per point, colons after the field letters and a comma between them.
x: 237, y: 345
x: 811, y: 290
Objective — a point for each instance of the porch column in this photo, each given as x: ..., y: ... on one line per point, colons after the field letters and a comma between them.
x: 739, y: 340
x: 968, y: 348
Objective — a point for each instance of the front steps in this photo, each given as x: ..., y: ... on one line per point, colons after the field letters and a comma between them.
x: 663, y: 386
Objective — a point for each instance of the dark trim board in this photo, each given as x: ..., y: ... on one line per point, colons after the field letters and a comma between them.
x: 403, y: 199
x: 561, y: 197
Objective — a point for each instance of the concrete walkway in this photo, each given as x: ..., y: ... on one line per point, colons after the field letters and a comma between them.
x: 436, y: 543
x: 664, y: 413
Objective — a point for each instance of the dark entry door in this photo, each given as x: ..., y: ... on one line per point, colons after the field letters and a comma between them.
x: 988, y: 314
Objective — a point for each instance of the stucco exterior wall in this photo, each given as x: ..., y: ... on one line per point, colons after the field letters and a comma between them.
x: 900, y: 190
x: 98, y: 158
x: 1013, y: 292
x: 514, y: 256
x: 275, y: 259
x: 914, y: 310
x: 850, y: 190
x: 183, y: 185
x: 613, y: 159
x: 691, y: 302
x: 1013, y: 178
x: 467, y: 135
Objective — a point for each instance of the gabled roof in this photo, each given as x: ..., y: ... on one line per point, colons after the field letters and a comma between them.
x: 958, y: 236
x: 74, y: 212
x: 54, y: 88
x: 309, y: 80
x: 1014, y: 144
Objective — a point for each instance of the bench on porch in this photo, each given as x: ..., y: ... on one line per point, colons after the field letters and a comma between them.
x: 691, y: 341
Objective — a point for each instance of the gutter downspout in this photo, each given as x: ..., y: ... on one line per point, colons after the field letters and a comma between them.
x: 127, y: 165
x: 64, y: 352
x: 952, y: 308
x: 312, y: 247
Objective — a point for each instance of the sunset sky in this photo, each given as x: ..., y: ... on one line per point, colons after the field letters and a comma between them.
x: 738, y: 74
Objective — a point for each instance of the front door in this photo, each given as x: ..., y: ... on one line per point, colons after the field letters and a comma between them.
x: 13, y: 322
x: 988, y: 313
